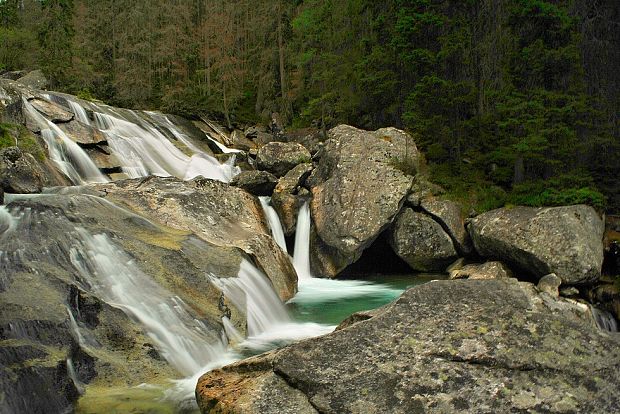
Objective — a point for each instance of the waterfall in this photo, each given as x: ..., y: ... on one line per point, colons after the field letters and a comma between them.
x: 79, y: 112
x: 181, y: 339
x: 301, y: 256
x: 251, y: 291
x: 143, y: 149
x: 311, y: 289
x: 66, y: 154
x: 274, y: 222
x: 604, y: 320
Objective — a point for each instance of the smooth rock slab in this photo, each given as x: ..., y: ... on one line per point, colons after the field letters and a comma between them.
x: 482, y: 346
x: 566, y: 241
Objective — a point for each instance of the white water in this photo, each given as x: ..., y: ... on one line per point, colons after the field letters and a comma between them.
x: 267, y: 318
x: 181, y: 339
x: 274, y: 222
x: 71, y: 370
x: 66, y: 154
x: 604, y: 320
x: 79, y: 112
x: 316, y: 290
x: 301, y: 256
x: 144, y: 150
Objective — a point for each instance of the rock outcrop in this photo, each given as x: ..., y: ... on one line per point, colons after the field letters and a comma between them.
x: 488, y: 270
x: 35, y: 80
x: 358, y: 187
x: 280, y: 157
x: 483, y: 346
x: 20, y: 172
x: 566, y: 241
x: 421, y: 242
x: 216, y: 212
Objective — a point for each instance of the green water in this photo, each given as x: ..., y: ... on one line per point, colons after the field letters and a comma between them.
x: 332, y: 311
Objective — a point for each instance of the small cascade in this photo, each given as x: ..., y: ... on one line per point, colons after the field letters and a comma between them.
x: 83, y: 340
x: 301, y: 257
x: 251, y: 291
x: 72, y: 374
x: 313, y: 290
x: 274, y: 222
x: 79, y: 112
x: 142, y: 149
x: 66, y: 154
x: 181, y: 339
x: 604, y: 320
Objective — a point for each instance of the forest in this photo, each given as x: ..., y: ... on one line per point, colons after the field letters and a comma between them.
x: 511, y: 101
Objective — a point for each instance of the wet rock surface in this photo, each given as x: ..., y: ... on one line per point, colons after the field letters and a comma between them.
x: 216, y: 212
x: 358, y: 187
x: 566, y: 241
x: 483, y: 346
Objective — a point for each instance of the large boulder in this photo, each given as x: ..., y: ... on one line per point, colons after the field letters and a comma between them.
x: 566, y: 241
x: 280, y: 157
x: 358, y: 187
x: 216, y: 212
x: 482, y: 346
x: 35, y: 80
x: 421, y: 242
x: 450, y: 215
x: 52, y: 319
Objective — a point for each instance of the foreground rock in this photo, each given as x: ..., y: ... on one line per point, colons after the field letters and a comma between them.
x: 483, y: 346
x: 259, y: 183
x: 42, y: 290
x: 358, y: 188
x: 566, y: 241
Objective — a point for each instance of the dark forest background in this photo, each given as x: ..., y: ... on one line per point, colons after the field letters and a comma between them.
x: 512, y: 101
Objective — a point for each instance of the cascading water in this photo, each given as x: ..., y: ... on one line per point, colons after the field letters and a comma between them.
x: 66, y: 154
x: 604, y: 320
x: 313, y: 290
x: 143, y: 150
x: 182, y: 340
x: 301, y: 257
x: 274, y: 222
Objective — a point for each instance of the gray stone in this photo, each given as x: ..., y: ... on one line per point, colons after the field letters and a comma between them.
x: 481, y: 346
x: 488, y: 270
x: 82, y: 134
x: 358, y: 187
x: 287, y: 198
x: 449, y: 214
x: 259, y: 183
x: 280, y: 157
x: 51, y: 110
x: 550, y: 283
x: 421, y: 242
x: 566, y: 241
x: 35, y: 80
x: 20, y: 172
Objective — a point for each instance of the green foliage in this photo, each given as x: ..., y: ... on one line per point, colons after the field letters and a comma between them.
x: 563, y: 190
x: 11, y: 134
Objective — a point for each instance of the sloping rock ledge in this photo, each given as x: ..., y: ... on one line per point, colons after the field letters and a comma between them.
x: 480, y: 346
